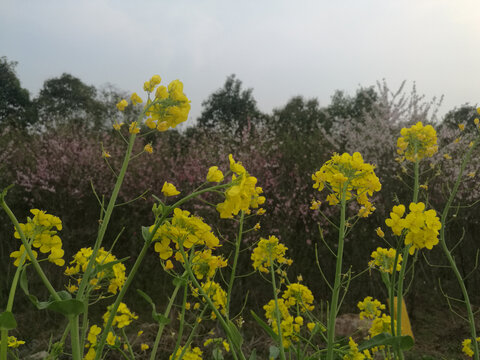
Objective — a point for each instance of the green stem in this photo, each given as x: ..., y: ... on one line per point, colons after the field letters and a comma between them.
x: 277, y: 311
x: 11, y: 297
x: 121, y: 294
x: 77, y: 351
x: 161, y: 326
x: 338, y: 272
x: 235, y: 261
x: 139, y: 260
x: 106, y: 219
x: 401, y: 277
x: 130, y: 350
x: 236, y: 347
x: 448, y: 254
x: 416, y: 185
x: 182, y: 322
x: 400, y: 297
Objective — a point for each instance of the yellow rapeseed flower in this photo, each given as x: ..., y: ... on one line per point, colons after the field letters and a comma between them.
x: 41, y: 232
x: 380, y: 232
x: 111, y: 339
x: 122, y: 318
x: 148, y: 148
x: 315, y: 204
x: 370, y: 308
x: 93, y: 333
x: 169, y: 189
x: 350, y: 175
x: 268, y: 251
x: 189, y: 354
x: 136, y: 99
x: 12, y: 342
x: 214, y: 174
x: 117, y: 126
x: 297, y: 294
x: 122, y: 105
x: 18, y: 254
x: 242, y: 195
x: 383, y: 259
x: 417, y: 142
x: 461, y: 127
x: 133, y: 129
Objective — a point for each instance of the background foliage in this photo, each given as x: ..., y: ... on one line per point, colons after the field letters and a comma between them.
x: 51, y: 150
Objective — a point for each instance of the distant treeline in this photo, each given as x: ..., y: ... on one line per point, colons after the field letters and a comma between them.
x: 51, y: 149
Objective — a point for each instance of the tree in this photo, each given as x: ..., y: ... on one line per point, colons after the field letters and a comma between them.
x: 230, y: 108
x: 108, y: 96
x: 298, y: 116
x: 67, y: 100
x: 350, y: 108
x: 465, y: 114
x: 15, y: 106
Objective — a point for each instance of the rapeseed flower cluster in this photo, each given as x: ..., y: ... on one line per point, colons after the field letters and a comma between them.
x: 354, y: 353
x: 41, y: 232
x: 204, y: 264
x: 92, y: 338
x: 370, y: 308
x: 287, y: 321
x: 13, y: 342
x: 467, y: 347
x: 242, y: 195
x: 296, y: 298
x: 267, y: 252
x: 190, y: 354
x: 381, y: 324
x: 421, y: 227
x: 218, y: 342
x: 383, y: 260
x: 168, y: 107
x: 186, y: 230
x: 113, y: 277
x: 351, y: 174
x: 122, y: 318
x: 298, y: 295
x: 417, y: 142
x: 215, y: 292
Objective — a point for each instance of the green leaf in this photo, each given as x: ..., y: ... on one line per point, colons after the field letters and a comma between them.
x: 217, y: 354
x: 24, y: 287
x: 265, y: 326
x: 179, y: 281
x: 273, y: 352
x: 145, y: 233
x: 146, y: 297
x: 67, y: 307
x: 63, y: 294
x: 159, y: 318
x: 236, y: 336
x: 7, y: 321
x: 404, y: 342
x: 253, y: 355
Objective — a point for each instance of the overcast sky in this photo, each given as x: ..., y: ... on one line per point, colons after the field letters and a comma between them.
x: 278, y: 48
